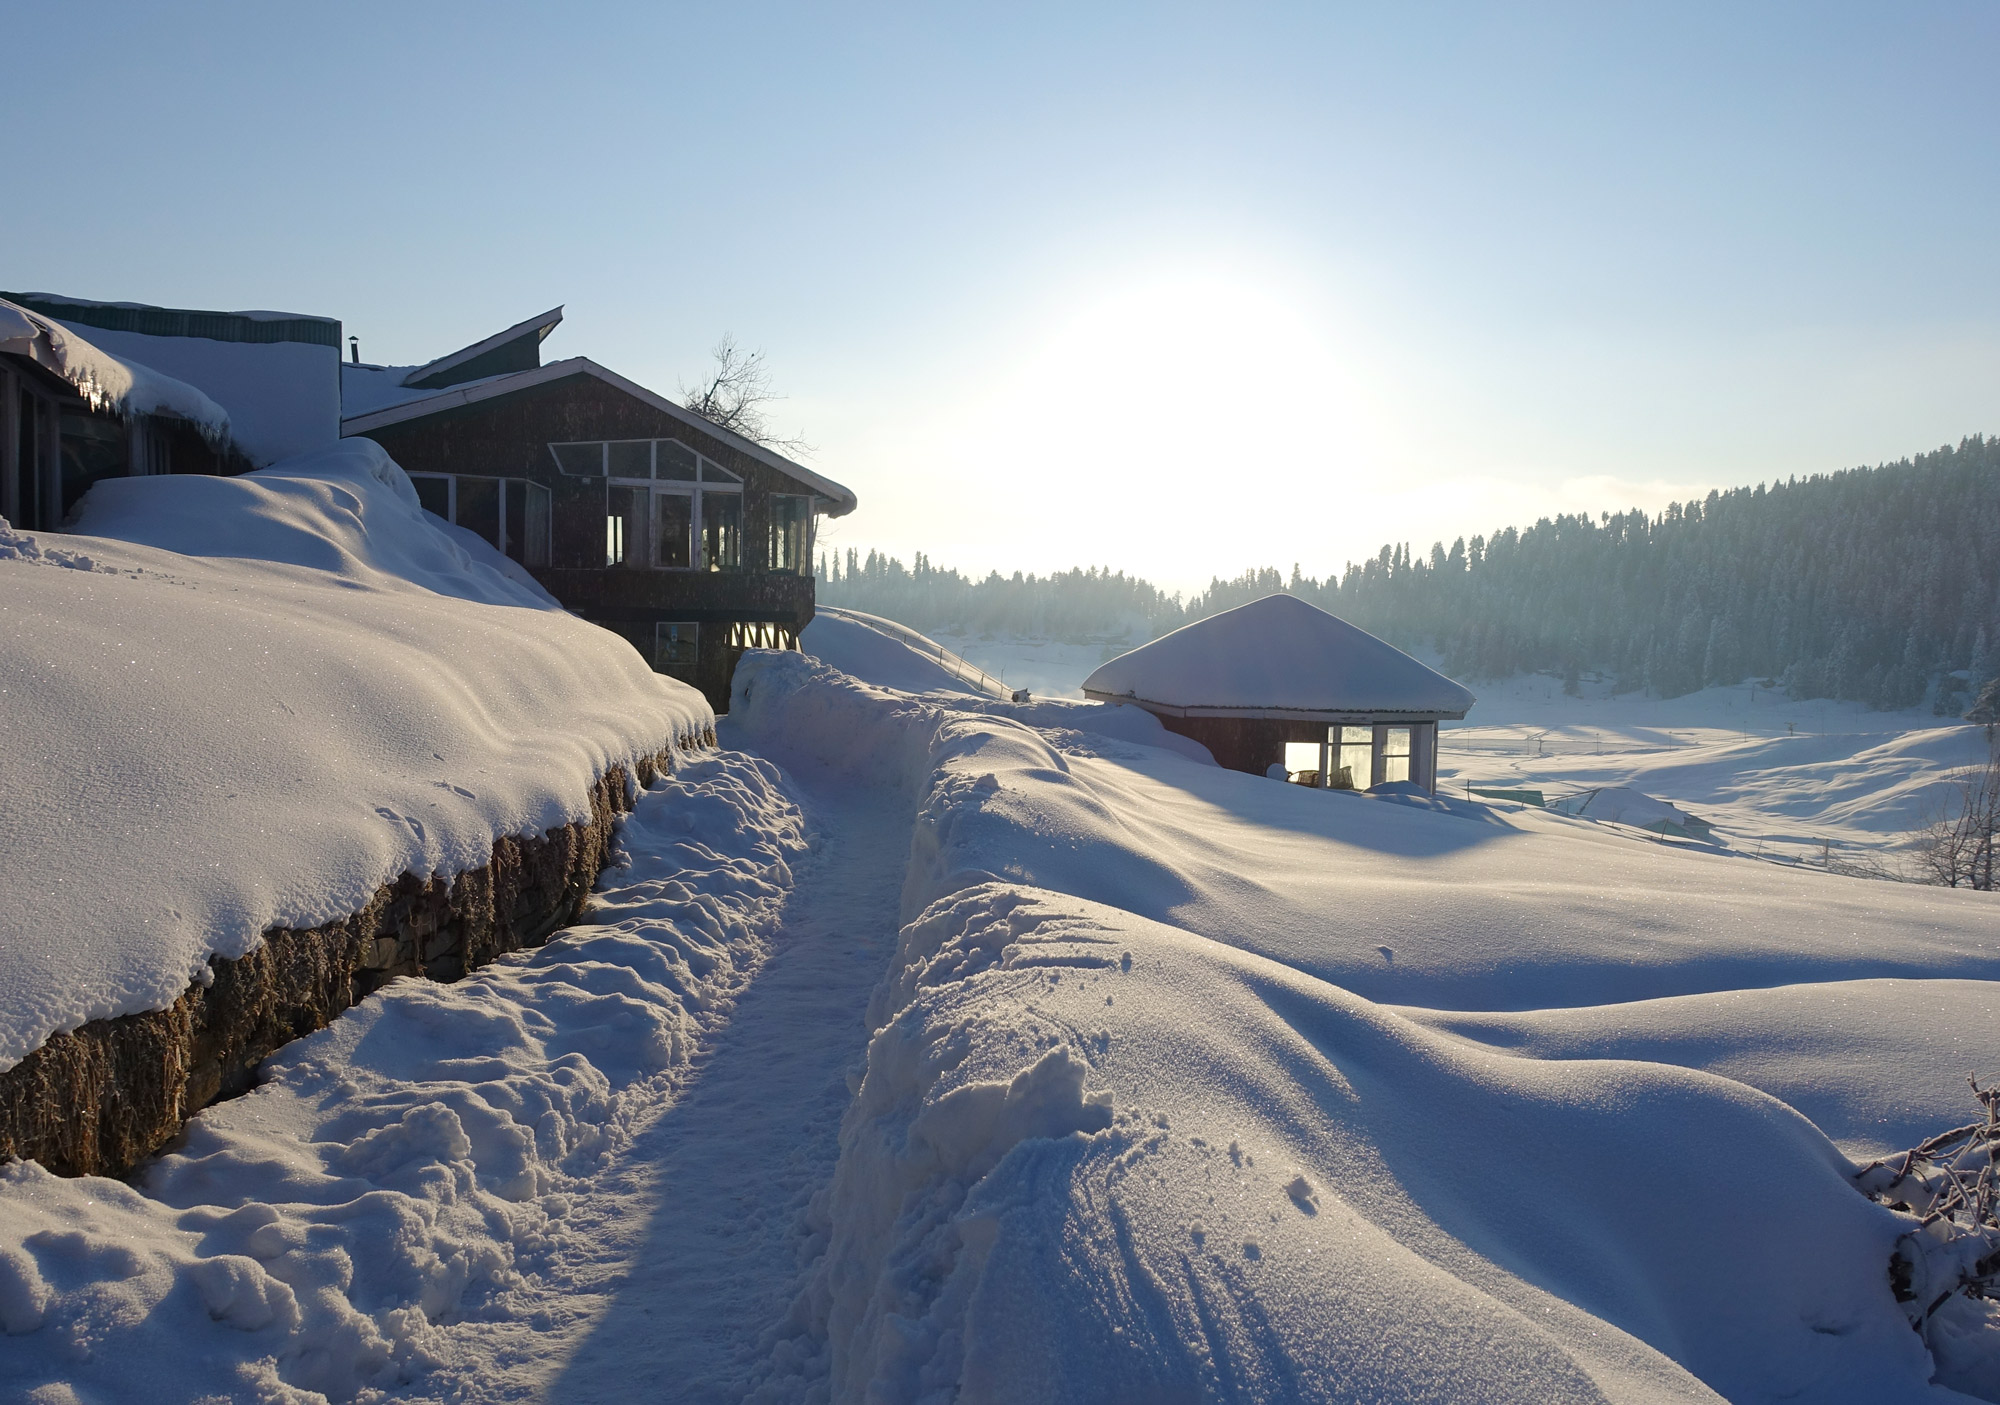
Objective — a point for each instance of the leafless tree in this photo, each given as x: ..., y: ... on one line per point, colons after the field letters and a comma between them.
x: 734, y: 396
x: 1957, y: 849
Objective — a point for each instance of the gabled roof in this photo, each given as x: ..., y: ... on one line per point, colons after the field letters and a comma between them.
x: 516, y: 349
x: 841, y: 499
x: 1278, y: 657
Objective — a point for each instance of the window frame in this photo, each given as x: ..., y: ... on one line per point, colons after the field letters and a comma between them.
x: 508, y: 487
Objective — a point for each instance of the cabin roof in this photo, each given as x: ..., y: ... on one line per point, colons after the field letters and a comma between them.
x: 1277, y: 657
x: 841, y: 499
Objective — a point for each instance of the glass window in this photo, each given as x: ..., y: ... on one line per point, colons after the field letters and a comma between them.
x: 631, y: 459
x: 713, y: 472
x: 676, y: 646
x: 673, y: 530
x: 527, y: 521
x: 676, y: 462
x: 434, y: 492
x: 1354, y: 769
x: 586, y: 460
x: 628, y: 508
x: 1395, y: 754
x: 721, y: 531
x: 791, y: 521
x: 479, y: 506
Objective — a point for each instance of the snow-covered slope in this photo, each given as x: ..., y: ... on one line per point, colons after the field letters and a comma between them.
x: 228, y: 704
x: 849, y: 645
x: 1139, y: 1120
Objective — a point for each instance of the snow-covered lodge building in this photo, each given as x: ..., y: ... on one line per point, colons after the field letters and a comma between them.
x: 688, y: 540
x: 692, y: 542
x: 1281, y: 675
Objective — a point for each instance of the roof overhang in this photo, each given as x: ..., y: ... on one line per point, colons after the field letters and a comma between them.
x: 840, y: 500
x: 1331, y: 716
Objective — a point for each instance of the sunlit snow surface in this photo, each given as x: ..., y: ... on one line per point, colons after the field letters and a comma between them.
x: 1135, y: 1126
x: 1181, y: 1085
x: 229, y: 704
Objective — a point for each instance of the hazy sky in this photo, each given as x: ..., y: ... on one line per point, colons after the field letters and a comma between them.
x: 1177, y: 289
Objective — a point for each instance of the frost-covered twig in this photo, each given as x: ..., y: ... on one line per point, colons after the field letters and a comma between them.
x: 1950, y: 1185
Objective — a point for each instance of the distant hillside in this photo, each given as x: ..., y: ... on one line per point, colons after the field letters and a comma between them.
x: 1872, y: 584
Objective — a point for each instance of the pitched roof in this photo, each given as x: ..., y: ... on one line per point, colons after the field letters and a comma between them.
x: 1277, y: 657
x: 841, y: 498
x: 516, y: 349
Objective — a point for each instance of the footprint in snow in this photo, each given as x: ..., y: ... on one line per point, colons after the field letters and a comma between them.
x: 416, y: 825
x: 460, y: 791
x: 1388, y: 954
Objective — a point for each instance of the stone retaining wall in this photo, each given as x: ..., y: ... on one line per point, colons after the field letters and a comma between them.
x: 102, y: 1098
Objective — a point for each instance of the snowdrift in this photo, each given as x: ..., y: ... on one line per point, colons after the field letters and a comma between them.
x: 375, y: 1207
x: 234, y: 704
x: 1139, y: 1123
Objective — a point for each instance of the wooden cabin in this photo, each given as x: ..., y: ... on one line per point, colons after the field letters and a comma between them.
x: 72, y: 414
x: 1279, y: 681
x: 692, y: 542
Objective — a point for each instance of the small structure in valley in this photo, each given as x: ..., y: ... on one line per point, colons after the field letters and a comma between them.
x: 1279, y: 681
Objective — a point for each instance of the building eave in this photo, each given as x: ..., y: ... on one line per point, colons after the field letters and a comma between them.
x: 839, y: 500
x: 1329, y: 716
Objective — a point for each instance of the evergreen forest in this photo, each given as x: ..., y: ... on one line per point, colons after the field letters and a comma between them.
x: 1880, y: 585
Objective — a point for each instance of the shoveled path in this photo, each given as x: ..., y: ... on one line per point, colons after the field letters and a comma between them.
x: 722, y: 1177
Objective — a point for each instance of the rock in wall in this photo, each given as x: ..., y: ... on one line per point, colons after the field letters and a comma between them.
x: 98, y: 1100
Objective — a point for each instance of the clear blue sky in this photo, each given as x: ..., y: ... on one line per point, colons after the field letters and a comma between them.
x: 1181, y: 290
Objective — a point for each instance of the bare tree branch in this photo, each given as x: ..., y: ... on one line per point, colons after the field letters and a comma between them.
x: 734, y: 396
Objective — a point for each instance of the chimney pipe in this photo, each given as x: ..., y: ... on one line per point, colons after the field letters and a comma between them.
x: 354, y: 349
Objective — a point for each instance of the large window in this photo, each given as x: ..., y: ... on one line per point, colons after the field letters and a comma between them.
x: 510, y: 513
x: 1354, y: 757
x: 788, y: 544
x: 667, y: 508
x: 1395, y: 754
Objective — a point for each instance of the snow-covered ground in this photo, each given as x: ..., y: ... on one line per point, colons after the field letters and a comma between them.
x: 936, y: 1047
x: 230, y: 704
x: 1779, y: 779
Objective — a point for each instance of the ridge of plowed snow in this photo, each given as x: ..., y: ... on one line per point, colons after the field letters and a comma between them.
x: 230, y: 704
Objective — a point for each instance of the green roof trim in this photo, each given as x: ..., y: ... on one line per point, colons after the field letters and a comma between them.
x: 182, y: 322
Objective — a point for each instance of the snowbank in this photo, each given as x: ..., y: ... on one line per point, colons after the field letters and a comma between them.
x: 860, y: 652
x: 230, y: 704
x: 409, y: 1169
x: 1135, y: 1126
x: 108, y: 382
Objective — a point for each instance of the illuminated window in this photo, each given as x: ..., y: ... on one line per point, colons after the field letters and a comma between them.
x: 1354, y: 763
x: 788, y: 546
x: 1395, y: 754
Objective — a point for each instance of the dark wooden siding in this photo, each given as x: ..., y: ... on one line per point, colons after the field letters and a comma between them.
x: 508, y: 437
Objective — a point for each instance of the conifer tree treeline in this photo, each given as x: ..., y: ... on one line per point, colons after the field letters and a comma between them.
x: 1872, y: 584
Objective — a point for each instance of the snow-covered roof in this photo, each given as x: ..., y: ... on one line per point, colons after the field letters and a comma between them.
x: 841, y: 499
x: 108, y: 382
x: 452, y: 369
x: 272, y: 372
x: 1278, y: 657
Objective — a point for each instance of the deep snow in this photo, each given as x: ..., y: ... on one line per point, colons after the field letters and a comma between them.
x: 1179, y: 1084
x: 229, y: 704
x: 1133, y: 1126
